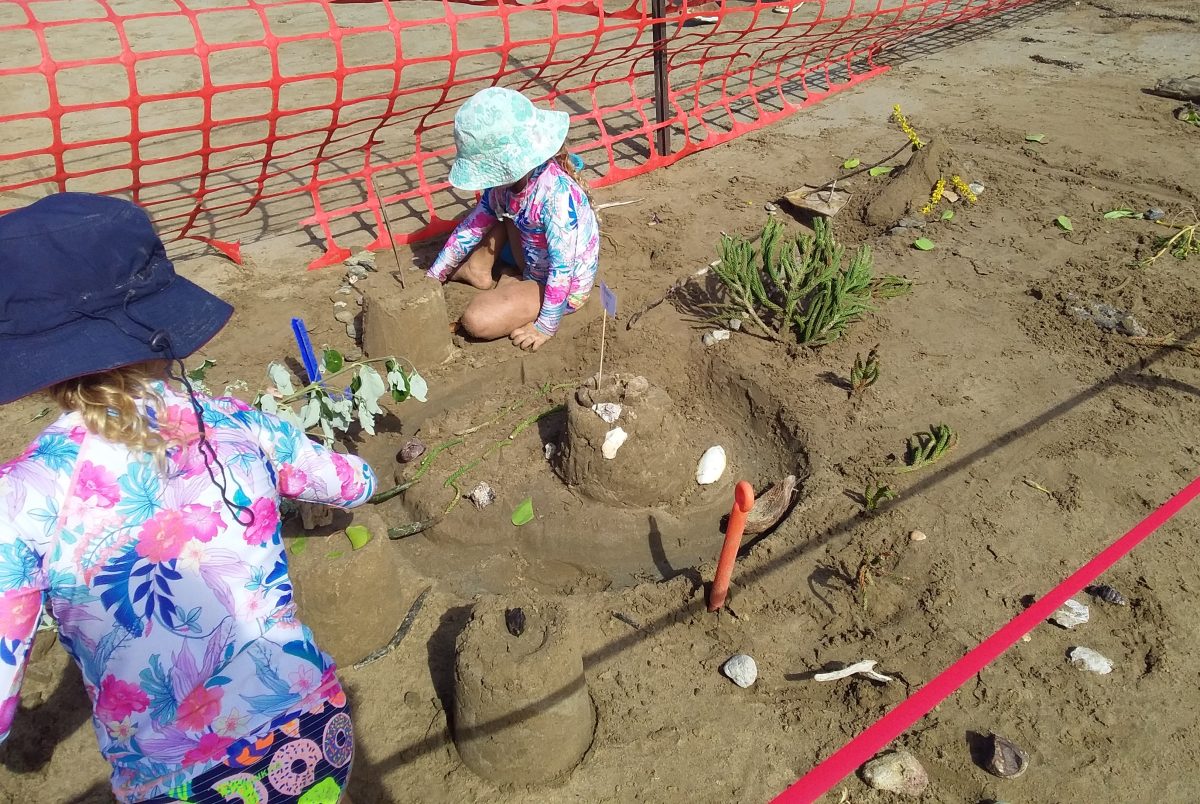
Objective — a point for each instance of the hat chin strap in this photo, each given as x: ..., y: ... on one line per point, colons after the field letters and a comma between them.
x: 159, y: 342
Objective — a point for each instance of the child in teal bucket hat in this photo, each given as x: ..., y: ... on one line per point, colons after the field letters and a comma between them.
x: 532, y: 243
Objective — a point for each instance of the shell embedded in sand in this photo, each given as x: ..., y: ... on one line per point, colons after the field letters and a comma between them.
x: 1088, y: 659
x: 771, y: 507
x: 1008, y: 760
x: 613, y: 441
x: 1109, y: 595
x: 711, y: 466
x: 896, y: 772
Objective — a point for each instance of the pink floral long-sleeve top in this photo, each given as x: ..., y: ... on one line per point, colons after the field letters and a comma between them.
x: 560, y: 239
x: 180, y: 618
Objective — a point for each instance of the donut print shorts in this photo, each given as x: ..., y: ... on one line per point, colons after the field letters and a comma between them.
x: 303, y: 759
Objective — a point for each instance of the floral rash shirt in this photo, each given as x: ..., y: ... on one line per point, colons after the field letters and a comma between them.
x: 180, y: 618
x: 560, y: 238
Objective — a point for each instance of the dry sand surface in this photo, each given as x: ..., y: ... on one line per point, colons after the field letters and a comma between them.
x: 1067, y: 435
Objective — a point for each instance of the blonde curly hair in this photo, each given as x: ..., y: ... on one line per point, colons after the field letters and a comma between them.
x: 112, y: 403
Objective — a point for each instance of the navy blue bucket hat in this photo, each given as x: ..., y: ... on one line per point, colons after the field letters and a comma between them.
x: 86, y: 286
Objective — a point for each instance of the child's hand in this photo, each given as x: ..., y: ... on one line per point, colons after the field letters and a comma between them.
x: 528, y: 337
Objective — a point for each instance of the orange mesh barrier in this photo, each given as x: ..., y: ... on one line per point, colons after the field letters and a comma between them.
x: 233, y: 119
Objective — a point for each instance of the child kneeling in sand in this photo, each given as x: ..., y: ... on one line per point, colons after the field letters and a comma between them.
x: 532, y: 243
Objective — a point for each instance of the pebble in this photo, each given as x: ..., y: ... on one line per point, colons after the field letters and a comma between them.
x: 896, y: 772
x: 482, y: 495
x: 1133, y: 328
x: 355, y: 272
x: 411, y: 451
x: 1155, y: 214
x: 352, y: 355
x: 1109, y: 595
x: 917, y: 536
x: 741, y: 670
x: 344, y: 316
x: 770, y: 208
x: 340, y: 294
x: 549, y: 450
x: 976, y: 188
x: 337, y: 305
x: 364, y: 260
x: 1070, y: 614
x: 352, y: 331
x: 716, y: 336
x: 911, y: 223
x: 1088, y: 659
x: 735, y: 324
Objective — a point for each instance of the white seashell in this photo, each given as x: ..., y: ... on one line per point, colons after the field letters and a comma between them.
x: 719, y: 335
x: 707, y: 339
x: 613, y: 441
x: 1088, y: 659
x: 483, y: 496
x: 711, y: 466
x: 864, y: 668
x: 608, y: 411
x: 896, y: 772
x: 1071, y: 614
x: 741, y: 670
x: 917, y: 536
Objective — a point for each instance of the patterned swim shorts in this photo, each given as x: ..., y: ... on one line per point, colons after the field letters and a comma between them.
x: 304, y: 758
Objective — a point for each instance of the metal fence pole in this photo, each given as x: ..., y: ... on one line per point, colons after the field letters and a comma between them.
x: 662, y: 86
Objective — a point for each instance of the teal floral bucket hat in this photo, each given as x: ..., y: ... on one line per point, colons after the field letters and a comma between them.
x: 500, y: 136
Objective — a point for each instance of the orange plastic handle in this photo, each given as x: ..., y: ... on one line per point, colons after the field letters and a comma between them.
x: 743, y: 501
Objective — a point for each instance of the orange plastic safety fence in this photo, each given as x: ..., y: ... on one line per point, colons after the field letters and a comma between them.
x: 232, y: 119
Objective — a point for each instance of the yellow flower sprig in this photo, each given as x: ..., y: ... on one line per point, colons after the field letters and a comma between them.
x: 935, y: 197
x: 963, y: 189
x: 902, y: 121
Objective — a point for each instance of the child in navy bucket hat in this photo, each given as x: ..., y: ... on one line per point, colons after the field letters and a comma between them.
x: 146, y: 520
x: 532, y: 243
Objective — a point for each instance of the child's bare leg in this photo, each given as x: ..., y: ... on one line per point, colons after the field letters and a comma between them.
x: 496, y: 313
x: 478, y: 270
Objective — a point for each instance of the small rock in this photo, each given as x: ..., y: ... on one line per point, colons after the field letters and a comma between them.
x: 482, y: 495
x: 344, y: 316
x: 741, y: 670
x: 352, y: 331
x: 340, y: 294
x: 608, y: 411
x: 411, y: 451
x: 612, y: 442
x: 716, y: 336
x: 735, y: 324
x: 1026, y: 638
x: 1133, y: 328
x: 549, y: 450
x: 636, y: 387
x: 770, y: 208
x: 950, y: 196
x: 896, y: 772
x: 976, y: 188
x: 356, y: 272
x: 1008, y: 760
x: 364, y: 260
x: 1088, y: 659
x: 352, y: 355
x: 910, y: 223
x: 1155, y: 214
x: 1070, y: 614
x: 338, y: 305
x: 917, y: 536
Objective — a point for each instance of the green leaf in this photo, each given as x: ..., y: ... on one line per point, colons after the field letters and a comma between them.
x: 1121, y: 213
x: 334, y: 554
x: 358, y: 536
x: 923, y: 243
x: 880, y: 170
x: 281, y: 378
x: 1035, y: 138
x: 948, y: 215
x: 524, y: 513
x: 197, y: 374
x: 851, y: 163
x: 333, y: 361
x: 43, y: 414
x: 299, y: 546
x: 1064, y: 223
